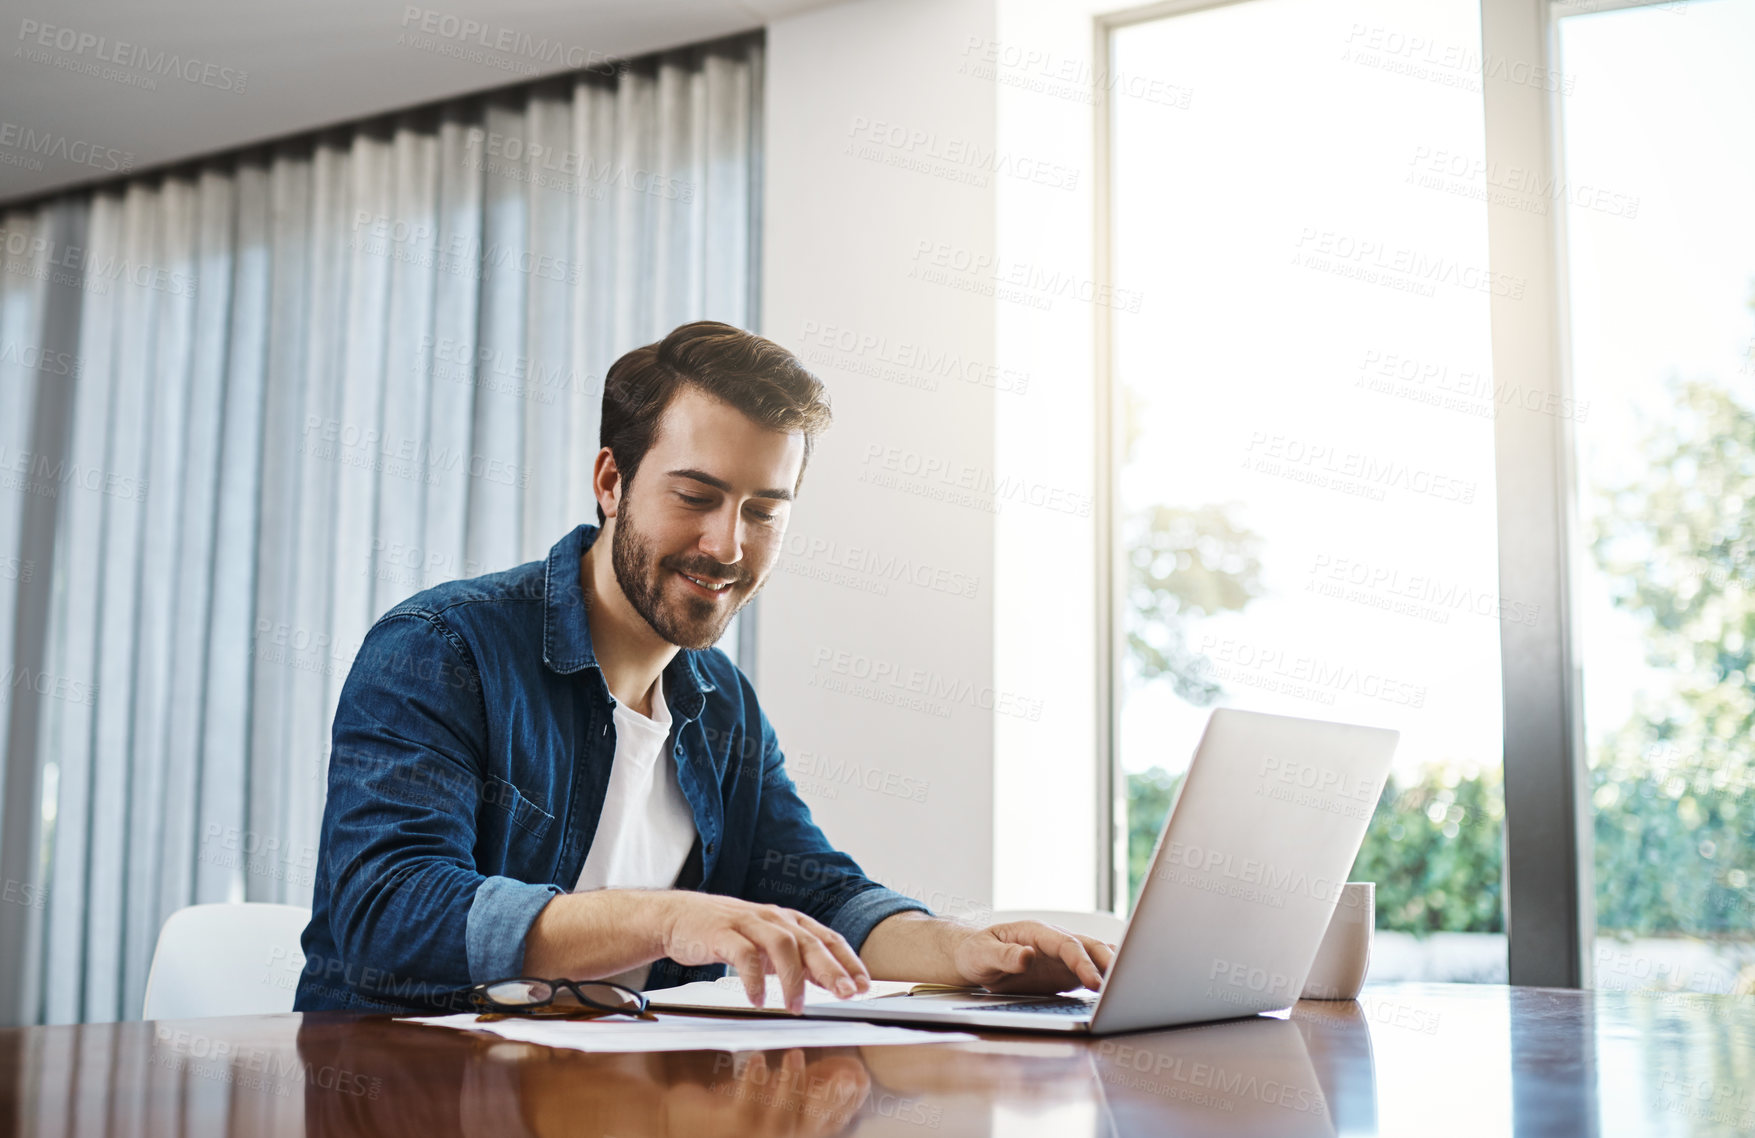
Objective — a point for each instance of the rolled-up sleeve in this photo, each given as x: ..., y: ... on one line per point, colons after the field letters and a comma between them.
x: 793, y: 864
x: 410, y: 914
x: 499, y: 920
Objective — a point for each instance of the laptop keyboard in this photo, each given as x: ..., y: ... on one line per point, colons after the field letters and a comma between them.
x: 1071, y: 1005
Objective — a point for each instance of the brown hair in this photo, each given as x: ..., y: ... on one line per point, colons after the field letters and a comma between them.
x: 757, y: 376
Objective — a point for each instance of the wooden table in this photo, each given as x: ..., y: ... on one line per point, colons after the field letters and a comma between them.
x: 1415, y: 1059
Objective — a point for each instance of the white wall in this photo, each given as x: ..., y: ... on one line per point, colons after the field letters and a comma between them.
x: 841, y: 237
x: 929, y: 225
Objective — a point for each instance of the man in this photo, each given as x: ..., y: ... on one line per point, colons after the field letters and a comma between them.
x: 551, y: 771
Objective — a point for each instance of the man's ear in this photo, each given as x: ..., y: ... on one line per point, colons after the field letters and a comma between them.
x: 606, y: 482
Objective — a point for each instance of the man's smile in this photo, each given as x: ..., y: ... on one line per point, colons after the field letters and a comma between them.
x: 707, y: 585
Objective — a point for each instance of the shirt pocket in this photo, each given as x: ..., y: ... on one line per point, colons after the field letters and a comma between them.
x: 525, y: 814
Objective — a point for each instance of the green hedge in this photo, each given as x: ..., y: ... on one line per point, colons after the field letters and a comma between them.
x: 1674, y: 854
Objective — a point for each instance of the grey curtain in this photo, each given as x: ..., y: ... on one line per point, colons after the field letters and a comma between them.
x: 248, y: 405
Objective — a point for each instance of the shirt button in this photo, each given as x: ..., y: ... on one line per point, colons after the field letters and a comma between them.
x: 709, y: 847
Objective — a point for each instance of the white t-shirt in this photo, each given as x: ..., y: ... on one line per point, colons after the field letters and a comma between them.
x: 647, y: 828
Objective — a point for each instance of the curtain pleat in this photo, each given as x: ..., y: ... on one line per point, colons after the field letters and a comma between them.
x: 309, y: 380
x: 71, y: 647
x: 547, y: 330
x: 168, y: 381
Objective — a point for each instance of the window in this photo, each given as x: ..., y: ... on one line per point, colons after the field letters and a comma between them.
x: 1659, y: 172
x: 1305, y: 491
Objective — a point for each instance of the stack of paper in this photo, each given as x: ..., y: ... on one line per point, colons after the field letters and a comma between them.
x: 690, y: 1033
x: 727, y: 994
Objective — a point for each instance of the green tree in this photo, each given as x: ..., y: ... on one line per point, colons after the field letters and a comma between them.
x: 1183, y: 564
x: 1149, y: 795
x: 1435, y: 848
x: 1674, y: 817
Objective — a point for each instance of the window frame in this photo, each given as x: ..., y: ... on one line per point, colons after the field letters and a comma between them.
x: 1549, y: 875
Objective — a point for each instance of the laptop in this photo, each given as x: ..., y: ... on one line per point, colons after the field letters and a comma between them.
x: 1244, y: 880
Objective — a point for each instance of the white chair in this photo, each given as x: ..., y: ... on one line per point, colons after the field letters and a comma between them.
x: 226, y: 960
x: 1106, y: 927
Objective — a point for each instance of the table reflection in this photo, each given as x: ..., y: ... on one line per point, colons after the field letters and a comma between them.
x: 1435, y: 1060
x: 433, y: 1083
x: 1253, y: 1076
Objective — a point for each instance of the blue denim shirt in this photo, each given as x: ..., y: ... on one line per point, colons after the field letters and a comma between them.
x: 471, y: 755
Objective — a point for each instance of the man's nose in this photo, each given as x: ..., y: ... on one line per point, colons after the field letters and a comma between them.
x: 723, y: 538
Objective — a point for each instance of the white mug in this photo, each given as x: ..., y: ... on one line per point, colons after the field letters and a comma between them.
x: 1339, y: 969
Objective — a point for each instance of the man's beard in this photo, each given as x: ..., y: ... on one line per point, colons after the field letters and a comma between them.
x: 696, y: 622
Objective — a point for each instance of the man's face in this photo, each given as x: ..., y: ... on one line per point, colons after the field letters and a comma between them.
x: 699, y: 526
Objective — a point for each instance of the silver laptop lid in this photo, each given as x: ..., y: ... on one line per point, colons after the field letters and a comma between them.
x: 1247, y: 871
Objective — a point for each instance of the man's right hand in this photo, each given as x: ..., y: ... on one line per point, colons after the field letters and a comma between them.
x: 706, y: 928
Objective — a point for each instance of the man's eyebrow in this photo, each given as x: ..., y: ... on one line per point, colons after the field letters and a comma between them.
x: 721, y: 484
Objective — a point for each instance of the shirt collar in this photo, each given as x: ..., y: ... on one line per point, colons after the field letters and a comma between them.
x: 566, y: 634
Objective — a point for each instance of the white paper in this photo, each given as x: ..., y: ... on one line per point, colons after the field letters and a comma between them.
x: 727, y: 992
x: 691, y: 1033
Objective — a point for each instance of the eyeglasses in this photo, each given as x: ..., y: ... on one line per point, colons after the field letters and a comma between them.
x: 527, y: 995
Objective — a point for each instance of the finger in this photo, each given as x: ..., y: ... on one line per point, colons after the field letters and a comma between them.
x: 825, y: 969
x: 1006, y: 958
x: 750, y: 1091
x: 780, y: 943
x: 1101, y: 951
x: 742, y: 954
x: 836, y: 945
x: 1071, y: 952
x: 791, y: 1081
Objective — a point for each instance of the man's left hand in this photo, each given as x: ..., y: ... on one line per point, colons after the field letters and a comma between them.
x: 1029, y: 956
